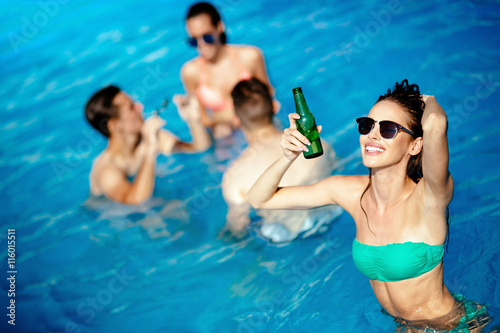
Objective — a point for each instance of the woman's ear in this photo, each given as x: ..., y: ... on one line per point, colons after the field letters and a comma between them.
x: 416, y: 146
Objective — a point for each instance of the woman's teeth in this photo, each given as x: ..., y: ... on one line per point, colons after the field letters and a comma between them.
x: 372, y: 149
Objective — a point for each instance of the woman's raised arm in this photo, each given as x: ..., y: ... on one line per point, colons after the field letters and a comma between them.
x: 265, y: 194
x: 437, y: 180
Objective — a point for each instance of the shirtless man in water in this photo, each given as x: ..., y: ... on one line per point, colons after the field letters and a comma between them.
x: 254, y: 107
x: 134, y: 143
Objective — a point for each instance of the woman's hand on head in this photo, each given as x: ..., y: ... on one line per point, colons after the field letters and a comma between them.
x: 434, y: 115
x: 430, y: 103
x: 292, y: 141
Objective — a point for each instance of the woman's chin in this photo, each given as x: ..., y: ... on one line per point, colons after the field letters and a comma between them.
x: 370, y: 162
x: 208, y: 54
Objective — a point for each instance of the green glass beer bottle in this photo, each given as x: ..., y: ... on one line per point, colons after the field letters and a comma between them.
x: 307, y: 125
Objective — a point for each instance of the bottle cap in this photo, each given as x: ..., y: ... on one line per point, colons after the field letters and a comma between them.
x: 297, y: 90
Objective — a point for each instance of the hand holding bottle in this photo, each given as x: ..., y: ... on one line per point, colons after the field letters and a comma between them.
x: 306, y: 125
x: 292, y: 141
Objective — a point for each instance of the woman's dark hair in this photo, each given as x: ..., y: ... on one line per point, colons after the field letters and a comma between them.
x: 409, y: 98
x: 206, y: 8
x: 100, y: 109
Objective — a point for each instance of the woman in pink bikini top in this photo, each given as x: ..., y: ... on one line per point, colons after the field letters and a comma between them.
x: 219, y: 67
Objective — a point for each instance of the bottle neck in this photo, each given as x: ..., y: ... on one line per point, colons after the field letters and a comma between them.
x: 301, y: 105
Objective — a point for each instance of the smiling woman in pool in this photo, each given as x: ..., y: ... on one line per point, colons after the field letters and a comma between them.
x: 213, y: 75
x: 400, y: 208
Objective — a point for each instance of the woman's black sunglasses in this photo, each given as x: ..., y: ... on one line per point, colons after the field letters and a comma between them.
x: 388, y: 129
x: 207, y: 38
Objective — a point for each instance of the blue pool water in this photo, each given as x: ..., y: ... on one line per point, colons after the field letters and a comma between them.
x: 95, y: 266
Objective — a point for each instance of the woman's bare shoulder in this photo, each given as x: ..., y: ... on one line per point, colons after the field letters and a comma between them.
x: 247, y: 52
x: 190, y: 70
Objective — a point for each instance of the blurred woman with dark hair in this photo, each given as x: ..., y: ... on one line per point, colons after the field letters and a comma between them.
x: 212, y: 75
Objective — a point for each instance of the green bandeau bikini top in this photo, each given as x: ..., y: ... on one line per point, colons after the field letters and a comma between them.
x: 397, y: 261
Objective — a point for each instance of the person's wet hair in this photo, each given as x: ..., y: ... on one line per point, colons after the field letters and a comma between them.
x: 253, y: 103
x: 409, y: 98
x: 206, y: 8
x: 100, y: 109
